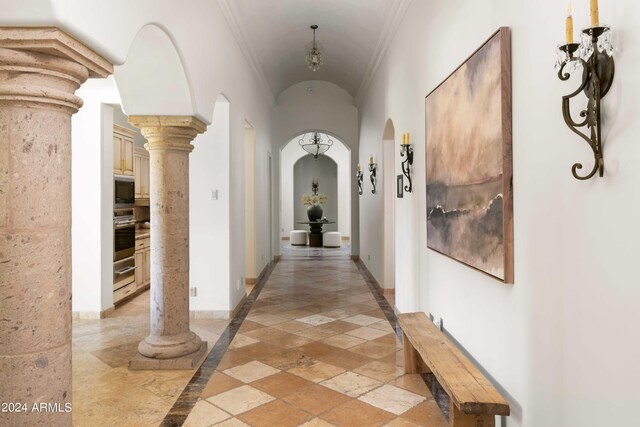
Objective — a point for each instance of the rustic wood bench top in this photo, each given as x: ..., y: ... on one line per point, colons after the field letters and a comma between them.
x: 467, y: 388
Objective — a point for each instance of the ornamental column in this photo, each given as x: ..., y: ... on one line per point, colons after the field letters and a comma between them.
x: 40, y: 69
x: 171, y: 344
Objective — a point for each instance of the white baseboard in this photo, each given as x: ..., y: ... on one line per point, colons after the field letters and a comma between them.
x: 92, y: 315
x: 217, y: 314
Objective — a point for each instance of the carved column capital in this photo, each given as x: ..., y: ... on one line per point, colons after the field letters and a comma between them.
x: 169, y: 132
x: 43, y: 67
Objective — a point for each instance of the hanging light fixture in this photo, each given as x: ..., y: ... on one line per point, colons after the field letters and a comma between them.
x: 314, y: 52
x: 316, y: 144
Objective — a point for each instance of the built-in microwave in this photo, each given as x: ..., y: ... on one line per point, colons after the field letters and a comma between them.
x: 123, y: 192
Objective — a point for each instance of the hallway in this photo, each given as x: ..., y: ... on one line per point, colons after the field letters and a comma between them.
x: 315, y: 349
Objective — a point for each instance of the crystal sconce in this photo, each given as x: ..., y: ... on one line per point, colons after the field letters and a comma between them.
x: 594, y: 56
x: 373, y: 168
x: 406, y: 150
x: 359, y: 178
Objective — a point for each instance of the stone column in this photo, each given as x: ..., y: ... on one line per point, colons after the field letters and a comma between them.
x: 171, y: 344
x: 40, y: 69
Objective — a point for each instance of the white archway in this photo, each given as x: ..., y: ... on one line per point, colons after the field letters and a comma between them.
x: 289, y: 155
x: 153, y: 81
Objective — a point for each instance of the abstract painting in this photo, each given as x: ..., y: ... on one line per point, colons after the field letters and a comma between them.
x: 469, y: 161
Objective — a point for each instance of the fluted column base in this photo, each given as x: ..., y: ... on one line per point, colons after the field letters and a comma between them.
x: 169, y: 346
x: 190, y: 361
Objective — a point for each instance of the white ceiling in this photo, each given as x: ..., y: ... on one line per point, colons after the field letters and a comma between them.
x: 354, y: 34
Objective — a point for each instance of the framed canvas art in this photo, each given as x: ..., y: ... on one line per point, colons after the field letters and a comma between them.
x: 469, y: 161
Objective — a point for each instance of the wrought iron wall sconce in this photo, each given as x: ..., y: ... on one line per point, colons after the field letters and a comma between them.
x: 406, y: 150
x: 594, y: 55
x: 373, y: 168
x: 359, y: 178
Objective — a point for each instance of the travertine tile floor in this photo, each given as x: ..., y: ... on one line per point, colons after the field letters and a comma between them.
x: 315, y: 350
x: 105, y: 392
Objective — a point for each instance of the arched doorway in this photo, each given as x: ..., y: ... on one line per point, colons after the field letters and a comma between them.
x: 290, y: 154
x: 389, y: 192
x: 323, y: 171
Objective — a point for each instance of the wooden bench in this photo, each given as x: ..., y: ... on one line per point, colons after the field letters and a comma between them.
x: 474, y: 402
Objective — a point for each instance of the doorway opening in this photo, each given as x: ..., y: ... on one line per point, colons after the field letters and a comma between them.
x: 331, y: 170
x: 250, y: 203
x: 389, y: 192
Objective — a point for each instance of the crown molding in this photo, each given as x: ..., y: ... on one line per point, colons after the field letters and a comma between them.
x: 389, y: 31
x: 239, y: 33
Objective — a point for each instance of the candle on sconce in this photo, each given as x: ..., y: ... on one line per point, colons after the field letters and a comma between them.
x: 406, y: 141
x: 358, y: 167
x: 371, y: 160
x: 595, y: 19
x: 569, y: 24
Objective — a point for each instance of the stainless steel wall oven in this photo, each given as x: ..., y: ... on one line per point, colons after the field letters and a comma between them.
x: 124, y: 247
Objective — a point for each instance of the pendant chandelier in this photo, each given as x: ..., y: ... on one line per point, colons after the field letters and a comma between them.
x: 316, y: 144
x: 314, y: 52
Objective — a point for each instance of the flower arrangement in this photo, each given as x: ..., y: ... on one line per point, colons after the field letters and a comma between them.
x: 314, y: 199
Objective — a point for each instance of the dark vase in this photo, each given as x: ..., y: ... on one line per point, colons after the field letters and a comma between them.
x: 314, y: 212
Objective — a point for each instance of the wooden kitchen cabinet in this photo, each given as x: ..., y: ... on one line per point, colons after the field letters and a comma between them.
x: 140, y: 265
x: 143, y: 263
x: 141, y: 173
x: 147, y: 266
x: 122, y: 150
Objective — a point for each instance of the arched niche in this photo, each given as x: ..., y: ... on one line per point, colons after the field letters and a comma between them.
x: 388, y: 175
x: 324, y: 170
x: 389, y: 131
x: 153, y: 81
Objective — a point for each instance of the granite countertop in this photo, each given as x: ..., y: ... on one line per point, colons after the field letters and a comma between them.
x: 143, y: 233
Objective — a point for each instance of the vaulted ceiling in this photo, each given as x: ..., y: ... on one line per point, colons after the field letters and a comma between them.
x: 354, y: 34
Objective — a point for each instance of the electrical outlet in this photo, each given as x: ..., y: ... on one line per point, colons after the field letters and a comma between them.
x: 368, y: 257
x: 239, y: 284
x: 193, y: 292
x: 440, y: 324
x: 214, y: 194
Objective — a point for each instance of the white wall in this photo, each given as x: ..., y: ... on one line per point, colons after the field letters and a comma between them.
x: 289, y: 155
x: 322, y: 106
x: 562, y: 340
x: 92, y: 198
x: 372, y: 207
x: 209, y: 264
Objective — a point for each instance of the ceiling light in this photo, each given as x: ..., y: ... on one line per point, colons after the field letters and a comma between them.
x: 314, y: 52
x: 316, y: 145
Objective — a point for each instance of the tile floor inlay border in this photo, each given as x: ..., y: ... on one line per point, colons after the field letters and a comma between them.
x: 438, y: 392
x: 189, y: 396
x: 380, y: 299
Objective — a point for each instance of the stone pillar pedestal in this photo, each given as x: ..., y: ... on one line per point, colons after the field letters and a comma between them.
x: 171, y: 344
x: 40, y: 69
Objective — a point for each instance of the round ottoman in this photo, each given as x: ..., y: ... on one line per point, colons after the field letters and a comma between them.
x: 298, y: 237
x: 331, y: 239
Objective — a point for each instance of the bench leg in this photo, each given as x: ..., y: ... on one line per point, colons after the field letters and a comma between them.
x: 458, y: 419
x: 413, y: 363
